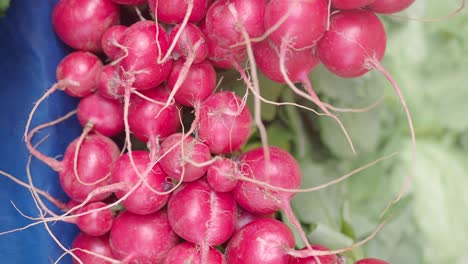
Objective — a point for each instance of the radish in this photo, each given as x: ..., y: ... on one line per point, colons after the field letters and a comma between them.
x: 298, y: 63
x: 368, y: 42
x: 130, y: 2
x: 142, y: 238
x: 225, y: 122
x: 245, y: 217
x: 96, y: 223
x: 184, y: 46
x: 350, y: 4
x: 262, y: 241
x: 224, y: 17
x: 278, y: 169
x: 199, y: 83
x: 174, y: 11
x: 110, y: 41
x: 371, y: 261
x: 389, y: 6
x: 225, y: 58
x: 189, y: 253
x: 104, y: 115
x: 140, y: 197
x: 94, y: 162
x: 79, y: 72
x: 109, y: 84
x: 180, y: 162
x: 92, y: 250
x: 148, y: 121
x: 223, y: 175
x: 355, y: 44
x: 326, y: 259
x: 304, y: 24
x: 81, y: 24
x: 138, y: 67
x: 202, y: 216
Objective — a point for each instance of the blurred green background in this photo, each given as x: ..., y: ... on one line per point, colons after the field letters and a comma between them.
x: 430, y: 224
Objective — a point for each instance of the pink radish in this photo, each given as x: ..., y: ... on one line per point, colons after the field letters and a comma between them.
x: 138, y: 64
x: 104, y: 115
x: 81, y: 24
x: 79, y: 72
x: 223, y: 175
x: 304, y: 22
x: 202, y: 216
x: 360, y: 35
x: 262, y: 241
x: 110, y: 41
x: 180, y: 162
x: 199, y: 83
x: 389, y: 6
x: 298, y: 63
x: 142, y: 238
x: 148, y: 122
x: 354, y: 45
x: 225, y: 16
x: 225, y: 122
x: 109, y: 84
x: 245, y: 217
x: 130, y: 2
x: 142, y: 200
x: 96, y: 223
x: 189, y: 253
x: 184, y: 47
x: 174, y: 11
x: 99, y: 246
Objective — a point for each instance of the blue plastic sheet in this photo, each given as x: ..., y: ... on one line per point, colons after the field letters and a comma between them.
x: 29, y: 54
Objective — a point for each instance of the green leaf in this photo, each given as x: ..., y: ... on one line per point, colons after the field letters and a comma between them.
x: 4, y: 4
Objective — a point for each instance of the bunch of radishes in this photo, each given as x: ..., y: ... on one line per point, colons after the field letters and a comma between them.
x: 193, y: 196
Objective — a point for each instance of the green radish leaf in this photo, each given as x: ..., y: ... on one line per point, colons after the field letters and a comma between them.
x: 4, y: 4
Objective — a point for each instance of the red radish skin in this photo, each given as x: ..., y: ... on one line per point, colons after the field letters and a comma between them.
x: 245, y: 217
x: 190, y: 253
x: 389, y: 6
x: 202, y: 216
x: 199, y: 83
x: 297, y: 63
x: 98, y: 245
x: 223, y: 175
x: 371, y: 261
x: 225, y: 122
x: 222, y: 25
x: 142, y: 238
x: 130, y: 2
x: 174, y: 11
x: 139, y: 65
x: 326, y: 259
x: 190, y: 35
x: 180, y: 165
x: 147, y: 121
x: 105, y: 115
x: 95, y: 161
x: 81, y: 24
x: 110, y: 41
x: 109, y: 84
x: 96, y: 223
x: 357, y: 33
x: 350, y: 4
x: 225, y: 58
x: 282, y: 171
x: 305, y: 24
x: 142, y: 200
x: 81, y: 68
x: 262, y: 241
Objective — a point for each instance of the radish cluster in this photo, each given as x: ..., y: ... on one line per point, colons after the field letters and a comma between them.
x: 194, y: 195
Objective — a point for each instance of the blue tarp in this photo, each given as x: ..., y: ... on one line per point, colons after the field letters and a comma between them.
x: 29, y: 54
